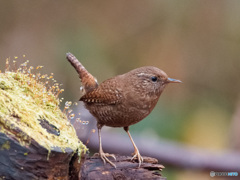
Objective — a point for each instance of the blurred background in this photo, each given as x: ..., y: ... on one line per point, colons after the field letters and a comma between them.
x: 197, y: 42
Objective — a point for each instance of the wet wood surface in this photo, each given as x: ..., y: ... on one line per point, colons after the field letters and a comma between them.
x: 94, y: 168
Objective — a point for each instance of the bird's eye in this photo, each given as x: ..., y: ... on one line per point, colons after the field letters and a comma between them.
x: 154, y: 78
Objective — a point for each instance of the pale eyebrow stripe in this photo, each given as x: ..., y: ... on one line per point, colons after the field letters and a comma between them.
x: 143, y: 74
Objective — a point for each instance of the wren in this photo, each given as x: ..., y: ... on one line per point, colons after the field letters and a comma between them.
x: 123, y: 100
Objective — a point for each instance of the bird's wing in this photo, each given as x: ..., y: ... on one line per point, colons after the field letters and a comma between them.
x: 107, y: 93
x: 102, y: 97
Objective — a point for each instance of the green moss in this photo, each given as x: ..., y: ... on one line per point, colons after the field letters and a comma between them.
x: 24, y: 100
x: 5, y: 146
x: 4, y: 85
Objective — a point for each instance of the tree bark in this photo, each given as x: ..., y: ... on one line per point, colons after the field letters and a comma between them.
x: 32, y: 161
x: 94, y: 168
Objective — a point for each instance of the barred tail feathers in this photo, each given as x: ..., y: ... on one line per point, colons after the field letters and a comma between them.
x: 89, y: 83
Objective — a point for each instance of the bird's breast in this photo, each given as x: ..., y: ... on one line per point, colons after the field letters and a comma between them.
x: 117, y: 115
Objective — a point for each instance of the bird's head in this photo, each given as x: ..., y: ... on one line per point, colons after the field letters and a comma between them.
x: 150, y: 80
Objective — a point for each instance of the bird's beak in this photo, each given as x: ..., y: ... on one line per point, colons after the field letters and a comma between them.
x: 170, y: 80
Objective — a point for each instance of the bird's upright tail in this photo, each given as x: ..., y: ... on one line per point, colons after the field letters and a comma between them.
x: 89, y: 83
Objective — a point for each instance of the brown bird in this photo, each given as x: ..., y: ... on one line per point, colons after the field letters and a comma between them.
x: 123, y: 100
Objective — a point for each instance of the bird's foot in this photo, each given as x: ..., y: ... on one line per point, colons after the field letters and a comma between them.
x: 104, y: 158
x: 137, y: 155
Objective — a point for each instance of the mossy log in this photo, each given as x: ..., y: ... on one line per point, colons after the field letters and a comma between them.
x: 33, y: 162
x: 93, y: 168
x: 37, y: 141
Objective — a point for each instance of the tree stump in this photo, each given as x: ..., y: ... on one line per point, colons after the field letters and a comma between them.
x: 32, y: 162
x: 37, y: 141
x: 94, y: 168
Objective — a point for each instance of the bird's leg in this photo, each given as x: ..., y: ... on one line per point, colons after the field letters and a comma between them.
x: 136, y: 153
x: 103, y: 155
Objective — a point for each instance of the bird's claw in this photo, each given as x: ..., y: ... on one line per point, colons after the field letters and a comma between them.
x: 104, y: 158
x: 137, y: 155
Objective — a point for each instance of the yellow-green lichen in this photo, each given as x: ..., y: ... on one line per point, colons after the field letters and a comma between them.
x: 24, y: 99
x: 5, y: 145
